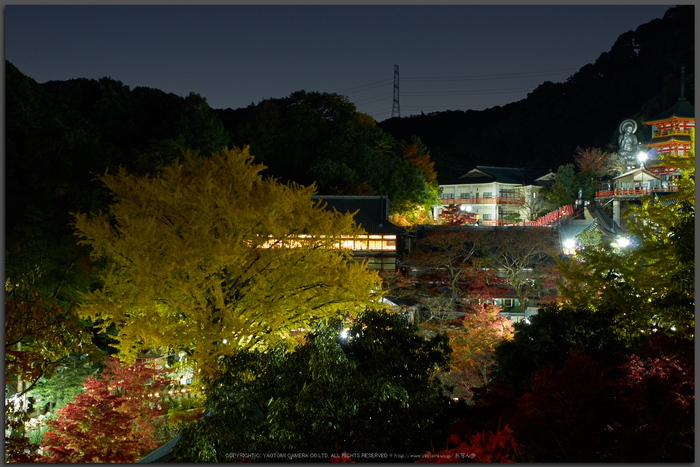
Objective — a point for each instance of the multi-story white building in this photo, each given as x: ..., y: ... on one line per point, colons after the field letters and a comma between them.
x: 492, y: 193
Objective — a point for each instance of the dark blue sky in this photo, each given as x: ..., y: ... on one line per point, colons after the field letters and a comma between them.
x: 454, y: 57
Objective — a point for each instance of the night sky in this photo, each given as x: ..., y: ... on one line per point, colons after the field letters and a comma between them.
x: 454, y: 57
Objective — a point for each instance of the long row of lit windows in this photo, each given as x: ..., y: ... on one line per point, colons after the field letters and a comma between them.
x: 358, y: 242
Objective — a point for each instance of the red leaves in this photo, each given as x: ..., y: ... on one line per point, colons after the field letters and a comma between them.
x: 453, y: 215
x: 597, y: 162
x: 340, y: 458
x: 422, y: 163
x: 39, y: 334
x: 484, y: 447
x: 112, y: 421
x: 625, y: 408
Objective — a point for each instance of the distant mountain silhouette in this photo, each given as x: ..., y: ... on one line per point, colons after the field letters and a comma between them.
x: 639, y: 77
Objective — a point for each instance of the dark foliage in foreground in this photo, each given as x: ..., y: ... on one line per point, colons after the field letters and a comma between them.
x: 620, y: 408
x: 548, y: 339
x: 372, y: 391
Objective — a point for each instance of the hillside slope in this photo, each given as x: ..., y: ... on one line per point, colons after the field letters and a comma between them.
x: 639, y: 77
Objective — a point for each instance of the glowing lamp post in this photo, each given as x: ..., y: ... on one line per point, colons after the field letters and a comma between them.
x: 569, y: 246
x: 622, y: 242
x: 641, y: 157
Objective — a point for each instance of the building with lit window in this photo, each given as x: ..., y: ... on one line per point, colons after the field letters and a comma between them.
x: 383, y: 243
x: 670, y: 136
x: 492, y: 193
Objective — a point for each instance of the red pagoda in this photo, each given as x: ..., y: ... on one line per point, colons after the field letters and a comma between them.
x: 670, y: 135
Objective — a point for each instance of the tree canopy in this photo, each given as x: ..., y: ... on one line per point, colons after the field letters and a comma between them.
x: 322, y: 138
x: 367, y: 386
x: 650, y: 282
x: 113, y: 420
x: 548, y: 338
x: 209, y: 257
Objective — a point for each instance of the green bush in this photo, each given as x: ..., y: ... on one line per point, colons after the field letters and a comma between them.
x: 549, y: 337
x: 374, y: 390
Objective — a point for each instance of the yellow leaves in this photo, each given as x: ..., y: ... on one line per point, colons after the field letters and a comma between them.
x: 187, y: 260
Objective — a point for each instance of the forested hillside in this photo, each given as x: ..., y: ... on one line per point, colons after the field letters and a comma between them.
x: 61, y: 134
x: 312, y: 137
x: 638, y: 78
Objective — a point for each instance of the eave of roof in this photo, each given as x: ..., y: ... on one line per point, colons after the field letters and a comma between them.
x: 682, y: 109
x: 162, y: 454
x: 372, y: 215
x: 491, y: 174
x: 665, y: 139
x: 638, y: 169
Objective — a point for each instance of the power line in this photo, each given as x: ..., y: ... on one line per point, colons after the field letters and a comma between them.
x: 465, y: 93
x: 367, y: 86
x: 441, y: 79
x: 376, y: 84
x: 451, y: 107
x: 499, y: 76
x: 370, y: 100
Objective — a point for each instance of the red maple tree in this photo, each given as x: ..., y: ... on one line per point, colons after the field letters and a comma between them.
x: 483, y: 447
x: 454, y: 215
x: 113, y: 420
x: 596, y: 162
x: 623, y: 408
x: 451, y: 286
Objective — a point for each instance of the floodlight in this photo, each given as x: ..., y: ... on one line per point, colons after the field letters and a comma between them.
x: 623, y: 242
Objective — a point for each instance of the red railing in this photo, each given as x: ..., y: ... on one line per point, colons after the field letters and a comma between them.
x: 552, y: 218
x: 486, y: 200
x: 496, y: 222
x: 604, y: 194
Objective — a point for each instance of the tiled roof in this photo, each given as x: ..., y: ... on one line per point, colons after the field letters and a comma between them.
x: 682, y: 109
x: 490, y: 174
x: 373, y: 215
x: 635, y: 171
x: 163, y: 454
x: 571, y: 228
x: 667, y: 138
x: 604, y: 223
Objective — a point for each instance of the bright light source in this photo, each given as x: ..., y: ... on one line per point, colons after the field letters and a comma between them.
x: 570, y: 243
x: 623, y: 242
x: 344, y: 334
x: 464, y: 207
x: 642, y: 156
x: 225, y: 341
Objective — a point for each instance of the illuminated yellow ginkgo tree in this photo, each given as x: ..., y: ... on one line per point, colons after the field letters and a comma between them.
x: 211, y: 257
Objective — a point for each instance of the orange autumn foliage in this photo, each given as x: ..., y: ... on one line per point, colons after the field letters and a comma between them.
x: 421, y: 162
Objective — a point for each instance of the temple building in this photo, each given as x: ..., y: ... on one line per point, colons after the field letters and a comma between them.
x: 670, y: 135
x: 492, y: 193
x: 383, y: 243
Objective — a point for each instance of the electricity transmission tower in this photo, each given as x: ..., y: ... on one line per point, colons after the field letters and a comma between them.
x: 395, y: 110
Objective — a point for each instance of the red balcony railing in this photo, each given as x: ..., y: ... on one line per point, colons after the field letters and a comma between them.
x: 608, y: 193
x: 485, y: 200
x: 496, y: 222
